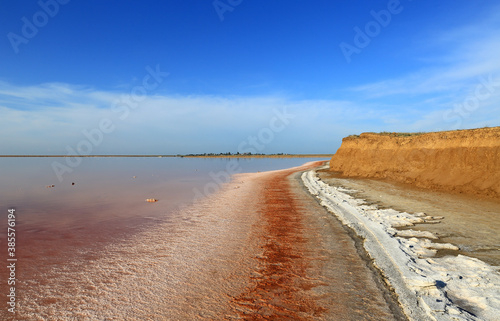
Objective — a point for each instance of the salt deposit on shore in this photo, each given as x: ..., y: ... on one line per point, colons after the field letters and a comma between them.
x: 428, y: 288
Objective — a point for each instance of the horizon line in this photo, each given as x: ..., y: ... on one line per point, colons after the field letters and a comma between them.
x: 177, y: 155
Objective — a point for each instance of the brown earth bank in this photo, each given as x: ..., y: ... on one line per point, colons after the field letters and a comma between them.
x: 459, y: 161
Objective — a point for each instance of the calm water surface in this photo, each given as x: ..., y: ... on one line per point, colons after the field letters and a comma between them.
x: 103, y: 190
x: 105, y: 205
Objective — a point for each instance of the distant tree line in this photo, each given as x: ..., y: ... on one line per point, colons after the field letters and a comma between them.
x: 230, y: 154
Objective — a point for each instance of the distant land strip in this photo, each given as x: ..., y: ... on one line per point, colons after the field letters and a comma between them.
x: 191, y: 156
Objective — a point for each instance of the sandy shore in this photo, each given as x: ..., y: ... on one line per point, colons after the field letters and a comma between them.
x: 260, y: 249
x: 308, y: 267
x: 469, y: 222
x: 430, y: 284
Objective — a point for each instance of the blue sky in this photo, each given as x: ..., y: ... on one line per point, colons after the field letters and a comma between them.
x: 176, y: 77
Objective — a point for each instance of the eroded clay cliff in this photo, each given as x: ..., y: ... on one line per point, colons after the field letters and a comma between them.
x: 462, y: 161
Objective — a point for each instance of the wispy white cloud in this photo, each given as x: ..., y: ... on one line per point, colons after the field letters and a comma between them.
x: 49, y: 117
x: 46, y: 118
x: 466, y: 53
x: 437, y: 94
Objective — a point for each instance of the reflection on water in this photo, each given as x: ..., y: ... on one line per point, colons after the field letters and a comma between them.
x: 102, y: 202
x: 101, y: 190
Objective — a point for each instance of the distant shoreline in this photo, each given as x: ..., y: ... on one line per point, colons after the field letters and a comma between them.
x: 260, y: 156
x: 187, y: 156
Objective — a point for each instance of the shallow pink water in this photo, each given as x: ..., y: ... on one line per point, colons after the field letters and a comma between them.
x: 62, y: 230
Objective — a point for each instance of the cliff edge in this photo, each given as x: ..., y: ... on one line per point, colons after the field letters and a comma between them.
x: 460, y: 161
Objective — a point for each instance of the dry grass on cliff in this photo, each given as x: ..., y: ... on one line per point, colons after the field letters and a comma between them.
x: 391, y: 134
x: 396, y: 134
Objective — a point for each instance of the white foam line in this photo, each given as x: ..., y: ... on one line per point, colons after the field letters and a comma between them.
x: 448, y: 288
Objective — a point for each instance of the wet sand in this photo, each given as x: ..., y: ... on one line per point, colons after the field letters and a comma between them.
x: 469, y: 222
x: 309, y: 268
x: 260, y: 249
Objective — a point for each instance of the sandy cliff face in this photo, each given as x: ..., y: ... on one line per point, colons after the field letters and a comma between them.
x: 464, y: 161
